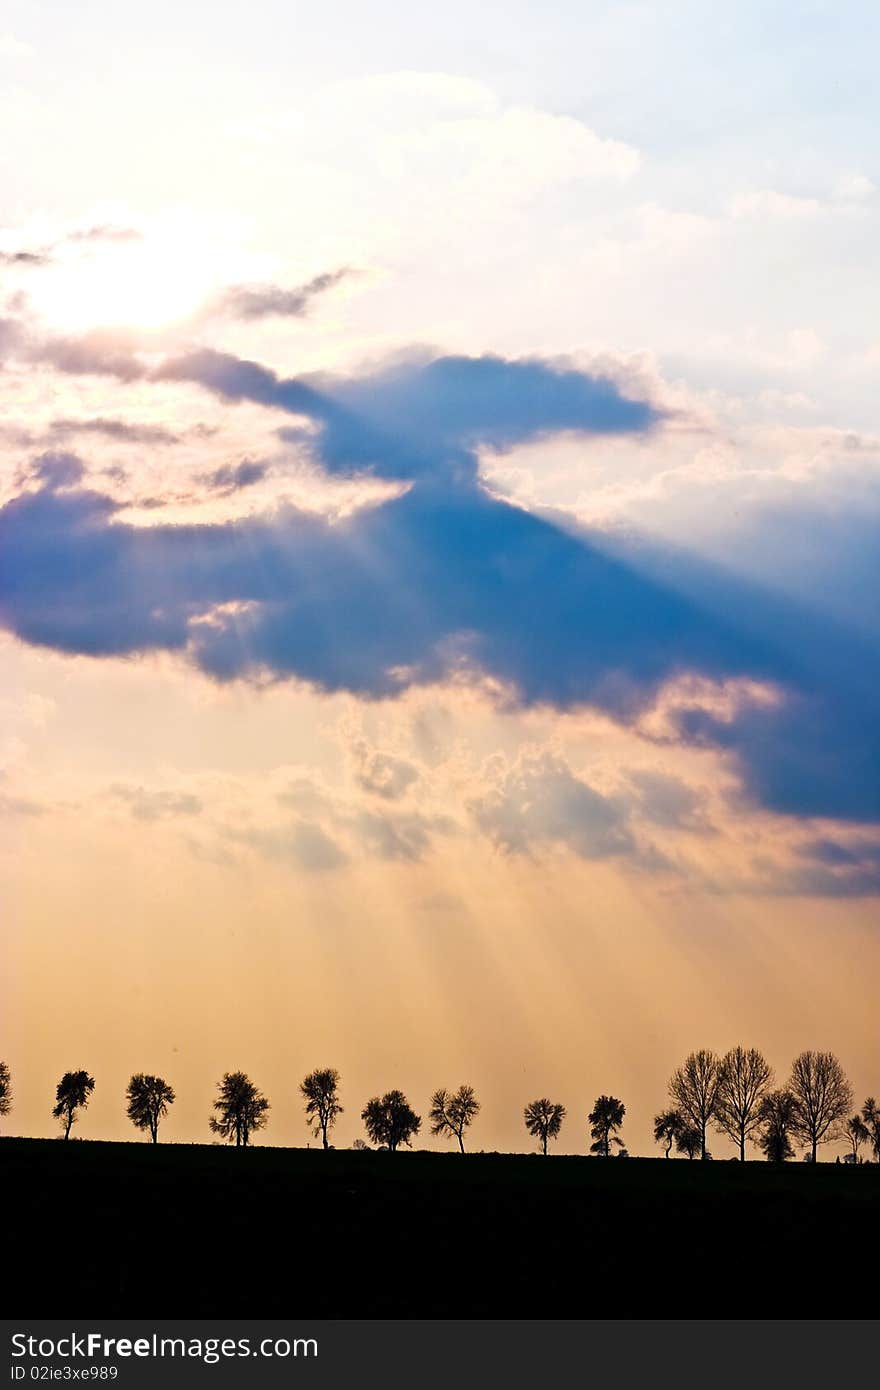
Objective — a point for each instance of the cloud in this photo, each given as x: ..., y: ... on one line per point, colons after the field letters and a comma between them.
x: 539, y: 801
x: 423, y: 417
x: 231, y: 478
x: 667, y: 801
x: 302, y: 844
x: 57, y: 470
x: 105, y: 231
x: 824, y: 867
x: 405, y: 837
x: 37, y: 257
x: 24, y: 259
x: 101, y: 352
x: 382, y: 774
x: 445, y: 581
x: 122, y: 430
x: 13, y: 47
x: 151, y: 805
x: 11, y: 337
x: 268, y: 301
x: 19, y: 806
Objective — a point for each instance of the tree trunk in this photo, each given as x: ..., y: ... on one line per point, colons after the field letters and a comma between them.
x: 324, y: 1136
x: 69, y: 1123
x: 544, y: 1143
x: 815, y: 1147
x: 460, y: 1141
x: 742, y: 1147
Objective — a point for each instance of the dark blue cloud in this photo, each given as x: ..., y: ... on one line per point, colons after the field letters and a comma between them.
x: 446, y: 579
x: 423, y: 418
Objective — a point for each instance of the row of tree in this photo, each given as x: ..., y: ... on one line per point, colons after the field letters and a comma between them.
x: 734, y: 1094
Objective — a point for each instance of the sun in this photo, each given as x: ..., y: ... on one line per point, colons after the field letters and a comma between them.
x: 161, y: 279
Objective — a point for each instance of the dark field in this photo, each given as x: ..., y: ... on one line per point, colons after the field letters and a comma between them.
x: 132, y: 1230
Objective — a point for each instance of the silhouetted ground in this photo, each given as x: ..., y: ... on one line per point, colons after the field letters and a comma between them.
x: 132, y: 1230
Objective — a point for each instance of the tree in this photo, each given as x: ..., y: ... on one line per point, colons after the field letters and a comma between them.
x: 320, y: 1091
x: 390, y: 1121
x: 5, y: 1089
x: 605, y: 1117
x: 822, y: 1097
x: 71, y: 1094
x: 857, y: 1133
x: 689, y: 1141
x: 148, y: 1100
x: 668, y: 1125
x: 746, y: 1077
x: 774, y: 1133
x: 544, y: 1119
x: 871, y: 1118
x: 693, y: 1089
x: 240, y: 1108
x: 451, y: 1114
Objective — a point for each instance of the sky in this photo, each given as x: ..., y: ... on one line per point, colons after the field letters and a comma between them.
x: 439, y: 488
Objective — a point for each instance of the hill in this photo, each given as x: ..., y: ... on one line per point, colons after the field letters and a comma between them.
x: 178, y: 1230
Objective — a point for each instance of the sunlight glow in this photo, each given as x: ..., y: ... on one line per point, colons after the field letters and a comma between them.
x: 163, y: 279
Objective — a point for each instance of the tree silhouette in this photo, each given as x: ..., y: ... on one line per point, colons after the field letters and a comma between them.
x: 822, y: 1098
x: 451, y: 1114
x: 320, y: 1091
x: 774, y: 1134
x: 693, y: 1089
x: 871, y: 1118
x: 543, y: 1119
x: 856, y: 1132
x: 71, y: 1094
x: 390, y: 1121
x: 5, y: 1089
x: 668, y: 1125
x: 746, y: 1077
x: 690, y: 1141
x: 605, y: 1117
x: 148, y: 1100
x: 241, y: 1108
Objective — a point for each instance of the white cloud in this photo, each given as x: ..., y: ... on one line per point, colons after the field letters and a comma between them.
x: 766, y: 205
x: 12, y: 47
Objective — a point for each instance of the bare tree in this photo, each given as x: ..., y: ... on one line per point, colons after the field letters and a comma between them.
x: 822, y: 1098
x: 668, y: 1125
x: 241, y: 1109
x: 320, y: 1091
x: 148, y: 1100
x: 746, y: 1077
x: 693, y: 1089
x: 5, y: 1089
x: 543, y: 1119
x: 605, y: 1117
x: 391, y: 1121
x: 774, y: 1135
x: 452, y: 1114
x: 71, y: 1094
x: 871, y: 1118
x: 856, y: 1132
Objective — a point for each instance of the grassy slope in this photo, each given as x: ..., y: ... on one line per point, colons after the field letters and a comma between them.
x: 126, y: 1229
